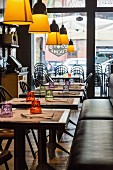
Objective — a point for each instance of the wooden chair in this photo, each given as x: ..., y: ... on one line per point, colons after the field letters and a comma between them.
x: 5, y: 155
x: 8, y: 134
x: 24, y: 86
x: 36, y: 82
x: 87, y: 80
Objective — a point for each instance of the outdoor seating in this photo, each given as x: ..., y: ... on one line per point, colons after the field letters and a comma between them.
x: 107, y: 74
x: 39, y: 72
x: 99, y: 78
x: 61, y: 70
x: 79, y: 71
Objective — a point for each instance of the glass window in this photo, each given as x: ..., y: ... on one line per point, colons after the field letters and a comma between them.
x: 62, y: 3
x: 104, y: 3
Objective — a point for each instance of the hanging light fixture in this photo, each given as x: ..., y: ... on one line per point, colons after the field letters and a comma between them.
x: 54, y: 37
x: 70, y: 47
x: 40, y: 19
x: 63, y: 35
x: 63, y: 32
x: 18, y: 12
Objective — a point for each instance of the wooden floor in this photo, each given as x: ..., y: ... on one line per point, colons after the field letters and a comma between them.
x: 60, y: 161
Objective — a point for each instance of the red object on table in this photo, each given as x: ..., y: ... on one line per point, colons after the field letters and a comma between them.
x: 35, y: 107
x: 30, y: 96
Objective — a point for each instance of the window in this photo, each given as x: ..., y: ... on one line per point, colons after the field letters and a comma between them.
x: 104, y: 3
x: 66, y: 3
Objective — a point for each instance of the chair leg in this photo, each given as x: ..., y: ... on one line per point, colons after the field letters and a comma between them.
x: 8, y: 144
x: 70, y: 121
x: 31, y: 147
x: 26, y: 167
x: 33, y: 133
x: 68, y: 133
x: 6, y: 166
x: 1, y: 148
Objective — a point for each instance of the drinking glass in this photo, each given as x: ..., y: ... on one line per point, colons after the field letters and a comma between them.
x: 35, y: 107
x: 6, y: 110
x: 30, y: 96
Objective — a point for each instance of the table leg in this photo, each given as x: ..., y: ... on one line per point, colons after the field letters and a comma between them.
x: 52, y: 145
x: 19, y: 149
x: 42, y: 155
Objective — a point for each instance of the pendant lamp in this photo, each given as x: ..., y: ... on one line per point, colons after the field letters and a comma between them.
x: 18, y: 12
x: 40, y: 19
x: 54, y: 37
x: 63, y: 35
x: 70, y: 47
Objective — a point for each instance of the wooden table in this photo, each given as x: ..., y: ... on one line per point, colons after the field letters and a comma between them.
x: 58, y: 94
x: 76, y: 78
x: 59, y: 86
x: 19, y: 124
x: 62, y: 103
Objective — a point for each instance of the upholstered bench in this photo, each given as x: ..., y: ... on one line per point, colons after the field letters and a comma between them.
x: 96, y: 109
x: 92, y: 146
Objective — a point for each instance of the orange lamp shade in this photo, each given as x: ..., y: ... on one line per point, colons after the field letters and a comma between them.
x: 64, y: 39
x: 30, y: 96
x: 70, y: 48
x: 40, y: 24
x: 35, y: 107
x: 53, y: 38
x: 18, y: 12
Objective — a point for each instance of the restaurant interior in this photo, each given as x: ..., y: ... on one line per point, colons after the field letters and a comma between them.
x: 52, y: 115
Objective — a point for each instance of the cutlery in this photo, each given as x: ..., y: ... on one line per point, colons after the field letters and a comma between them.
x: 30, y: 117
x: 55, y: 100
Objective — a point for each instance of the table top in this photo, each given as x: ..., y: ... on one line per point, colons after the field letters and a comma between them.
x: 62, y: 103
x: 66, y: 77
x: 37, y: 94
x: 48, y: 119
x: 60, y: 86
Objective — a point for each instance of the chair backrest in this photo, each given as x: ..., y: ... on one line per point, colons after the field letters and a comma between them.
x: 4, y: 94
x: 37, y: 82
x: 98, y: 75
x: 88, y: 78
x: 61, y: 69
x: 39, y: 70
x: 24, y: 86
x: 78, y: 70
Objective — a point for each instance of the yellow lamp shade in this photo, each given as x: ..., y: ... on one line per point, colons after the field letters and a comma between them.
x: 53, y: 38
x: 18, y: 12
x: 70, y: 48
x: 64, y: 39
x: 40, y: 24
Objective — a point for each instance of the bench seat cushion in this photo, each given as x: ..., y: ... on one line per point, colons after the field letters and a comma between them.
x: 92, y: 146
x: 96, y: 109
